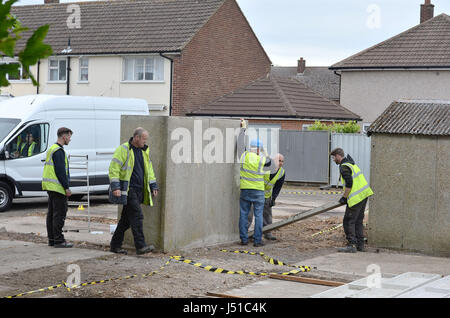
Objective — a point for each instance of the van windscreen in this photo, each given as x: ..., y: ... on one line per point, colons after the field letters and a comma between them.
x: 6, y: 125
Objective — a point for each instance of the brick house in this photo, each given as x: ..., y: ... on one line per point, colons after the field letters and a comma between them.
x: 276, y: 102
x: 176, y: 54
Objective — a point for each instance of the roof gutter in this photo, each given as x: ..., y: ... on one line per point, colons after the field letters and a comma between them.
x: 120, y: 53
x: 270, y: 117
x: 349, y: 68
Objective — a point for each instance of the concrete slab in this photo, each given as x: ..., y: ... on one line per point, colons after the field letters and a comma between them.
x: 389, y: 263
x: 436, y: 289
x: 389, y: 287
x: 275, y: 288
x: 17, y: 256
x: 37, y: 225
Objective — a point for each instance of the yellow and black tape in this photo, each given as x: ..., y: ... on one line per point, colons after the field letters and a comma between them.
x: 225, y: 271
x: 37, y: 290
x: 327, y: 230
x: 302, y: 268
x: 65, y: 285
x: 312, y: 192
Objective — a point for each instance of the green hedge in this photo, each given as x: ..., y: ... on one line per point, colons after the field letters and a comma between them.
x: 348, y: 128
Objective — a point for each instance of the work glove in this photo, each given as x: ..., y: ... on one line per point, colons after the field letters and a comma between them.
x: 272, y: 202
x: 343, y: 200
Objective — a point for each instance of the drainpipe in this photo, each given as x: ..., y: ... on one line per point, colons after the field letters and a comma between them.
x: 340, y: 82
x: 37, y: 87
x: 171, y: 81
x: 68, y: 75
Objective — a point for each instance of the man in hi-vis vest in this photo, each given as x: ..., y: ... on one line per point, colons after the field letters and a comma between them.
x: 272, y: 187
x: 252, y: 190
x: 132, y: 182
x: 55, y: 180
x: 356, y: 192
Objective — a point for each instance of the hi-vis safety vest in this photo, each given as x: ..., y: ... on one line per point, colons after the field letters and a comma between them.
x: 50, y: 181
x: 252, y: 173
x: 269, y: 184
x: 360, y: 189
x: 30, y: 149
x: 121, y: 169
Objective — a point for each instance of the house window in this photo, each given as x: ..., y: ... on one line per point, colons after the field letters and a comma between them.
x: 305, y: 127
x: 16, y: 77
x: 84, y: 69
x: 57, y: 69
x: 366, y: 127
x: 143, y: 69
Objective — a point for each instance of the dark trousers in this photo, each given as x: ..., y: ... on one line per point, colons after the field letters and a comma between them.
x: 353, y: 223
x: 131, y: 217
x: 56, y: 216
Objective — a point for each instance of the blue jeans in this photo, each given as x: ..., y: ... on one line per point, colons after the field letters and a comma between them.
x: 249, y: 197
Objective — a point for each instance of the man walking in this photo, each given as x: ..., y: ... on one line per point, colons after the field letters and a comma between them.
x: 252, y: 191
x: 272, y: 187
x: 55, y: 180
x: 133, y: 180
x: 356, y: 192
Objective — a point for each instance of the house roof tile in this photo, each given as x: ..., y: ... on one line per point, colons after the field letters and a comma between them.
x: 426, y: 45
x: 276, y: 97
x: 414, y: 117
x: 119, y: 26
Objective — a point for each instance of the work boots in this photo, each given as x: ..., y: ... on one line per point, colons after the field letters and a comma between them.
x: 360, y: 247
x: 144, y: 250
x: 350, y: 248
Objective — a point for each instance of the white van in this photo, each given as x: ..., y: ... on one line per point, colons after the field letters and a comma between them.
x: 95, y: 122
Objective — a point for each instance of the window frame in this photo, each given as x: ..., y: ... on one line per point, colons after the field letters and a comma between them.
x: 155, y: 58
x: 58, y: 59
x: 80, y: 67
x: 45, y: 128
x: 21, y: 79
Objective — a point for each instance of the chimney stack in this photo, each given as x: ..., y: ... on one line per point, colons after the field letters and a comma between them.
x: 426, y: 11
x: 301, y: 66
x: 50, y: 1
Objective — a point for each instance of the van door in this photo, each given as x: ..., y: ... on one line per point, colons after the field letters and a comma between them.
x: 107, y: 132
x: 26, y: 157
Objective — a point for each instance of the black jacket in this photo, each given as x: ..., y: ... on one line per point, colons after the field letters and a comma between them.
x: 346, y: 172
x: 59, y: 162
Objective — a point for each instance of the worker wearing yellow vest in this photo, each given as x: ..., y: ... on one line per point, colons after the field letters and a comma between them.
x: 252, y: 190
x: 356, y: 192
x: 56, y: 180
x: 132, y: 182
x: 272, y: 186
x: 29, y: 148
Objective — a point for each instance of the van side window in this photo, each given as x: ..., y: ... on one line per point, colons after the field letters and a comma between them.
x: 31, y: 141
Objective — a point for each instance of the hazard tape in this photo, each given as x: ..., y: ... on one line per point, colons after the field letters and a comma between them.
x: 225, y: 271
x: 271, y: 260
x: 312, y: 193
x: 182, y: 259
x: 37, y: 290
x: 97, y: 282
x: 327, y: 230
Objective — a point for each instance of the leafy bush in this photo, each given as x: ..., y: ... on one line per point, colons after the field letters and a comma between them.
x: 348, y: 128
x: 35, y: 48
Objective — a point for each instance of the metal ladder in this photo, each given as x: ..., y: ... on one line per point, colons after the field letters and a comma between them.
x: 81, y: 164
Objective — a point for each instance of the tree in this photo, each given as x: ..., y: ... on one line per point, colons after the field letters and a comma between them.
x: 34, y: 50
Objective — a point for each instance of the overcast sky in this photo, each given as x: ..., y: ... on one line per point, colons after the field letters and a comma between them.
x: 324, y: 32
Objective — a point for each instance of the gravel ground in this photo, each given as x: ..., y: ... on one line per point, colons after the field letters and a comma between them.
x: 177, y: 279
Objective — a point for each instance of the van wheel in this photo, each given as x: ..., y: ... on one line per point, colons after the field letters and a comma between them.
x: 6, y: 197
